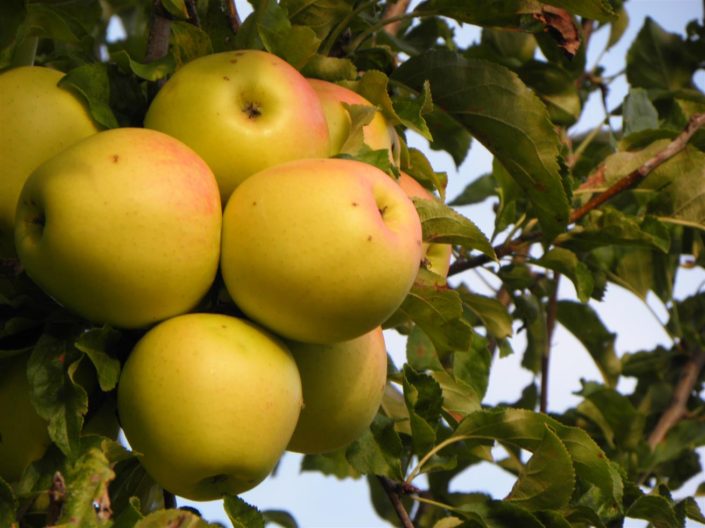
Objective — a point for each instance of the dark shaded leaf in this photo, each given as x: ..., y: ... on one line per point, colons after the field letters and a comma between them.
x: 92, y: 83
x: 378, y: 451
x: 242, y: 514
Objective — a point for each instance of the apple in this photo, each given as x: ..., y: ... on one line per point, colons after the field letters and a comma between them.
x: 436, y: 256
x: 210, y: 401
x: 39, y: 119
x: 343, y: 384
x: 242, y: 111
x: 122, y: 228
x: 377, y: 134
x: 320, y: 250
x: 23, y: 433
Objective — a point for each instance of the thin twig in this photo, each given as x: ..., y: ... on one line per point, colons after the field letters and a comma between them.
x: 193, y: 12
x: 636, y: 176
x: 233, y: 16
x: 551, y: 316
x: 394, y: 10
x: 678, y: 406
x: 159, y: 31
x: 390, y: 488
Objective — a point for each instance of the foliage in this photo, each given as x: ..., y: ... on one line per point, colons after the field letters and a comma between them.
x: 619, y: 453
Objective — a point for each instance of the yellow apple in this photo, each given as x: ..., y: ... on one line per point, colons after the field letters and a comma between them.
x: 343, y: 384
x: 23, y: 433
x: 320, y: 250
x: 122, y: 228
x: 436, y: 256
x: 377, y: 134
x: 210, y: 401
x: 37, y: 120
x: 242, y: 111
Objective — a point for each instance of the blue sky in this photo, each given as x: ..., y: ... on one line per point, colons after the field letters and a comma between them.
x: 325, y: 502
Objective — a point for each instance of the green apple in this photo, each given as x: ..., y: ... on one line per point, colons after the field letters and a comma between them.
x: 23, y: 433
x: 38, y: 120
x: 436, y: 256
x: 343, y: 384
x: 377, y: 134
x: 320, y: 250
x: 242, y: 111
x: 122, y: 228
x: 210, y: 401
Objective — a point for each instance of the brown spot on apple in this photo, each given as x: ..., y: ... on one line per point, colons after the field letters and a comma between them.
x: 354, y: 204
x: 226, y: 78
x: 115, y: 158
x: 369, y: 238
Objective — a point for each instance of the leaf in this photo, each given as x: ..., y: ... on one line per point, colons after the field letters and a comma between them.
x: 333, y: 463
x: 176, y: 8
x: 176, y: 519
x: 556, y: 88
x: 322, y: 16
x: 658, y: 59
x: 413, y: 110
x: 153, y: 71
x: 12, y: 14
x: 472, y: 368
x: 491, y: 312
x: 525, y: 430
x: 548, y: 479
x: 88, y: 503
x: 420, y: 352
x: 506, y: 116
x: 533, y: 313
x: 8, y: 504
x: 242, y: 514
x: 92, y: 83
x: 638, y: 112
x: 95, y: 343
x: 423, y: 397
x: 378, y: 451
x: 584, y: 323
x: 129, y: 516
x: 439, y: 312
x: 443, y: 225
x: 477, y: 191
x: 188, y: 42
x: 567, y: 263
x: 421, y: 169
x: 55, y: 395
x: 280, y: 518
x: 448, y: 135
x: 657, y: 510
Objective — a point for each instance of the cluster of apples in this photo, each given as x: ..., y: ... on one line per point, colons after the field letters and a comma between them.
x: 234, y: 172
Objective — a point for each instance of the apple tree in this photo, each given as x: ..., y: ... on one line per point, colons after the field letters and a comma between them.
x: 618, y: 205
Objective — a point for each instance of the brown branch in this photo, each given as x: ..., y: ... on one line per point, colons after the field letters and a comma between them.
x: 636, y: 176
x: 551, y: 316
x: 394, y: 10
x: 233, y: 16
x: 678, y: 406
x: 159, y: 31
x: 391, y: 489
x: 193, y: 13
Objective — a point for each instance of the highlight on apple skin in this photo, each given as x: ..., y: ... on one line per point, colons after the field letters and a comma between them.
x: 242, y: 111
x: 38, y: 120
x: 343, y: 384
x: 210, y: 402
x: 320, y: 251
x: 122, y: 228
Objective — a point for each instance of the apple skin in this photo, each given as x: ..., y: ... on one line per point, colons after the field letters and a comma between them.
x: 39, y: 120
x: 436, y: 256
x: 320, y: 251
x: 210, y: 401
x: 122, y: 228
x: 343, y: 384
x: 377, y: 134
x: 23, y: 433
x: 242, y: 111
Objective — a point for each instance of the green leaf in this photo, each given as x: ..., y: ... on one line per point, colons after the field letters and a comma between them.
x: 129, y: 516
x: 584, y: 323
x: 378, y: 451
x: 533, y: 313
x: 659, y: 60
x: 96, y: 343
x: 176, y: 8
x: 526, y: 430
x: 8, y: 504
x: 491, y: 312
x: 55, y: 395
x: 188, y: 42
x: 88, y: 503
x: 618, y: 27
x: 176, y: 518
x: 153, y: 71
x: 548, y: 479
x: 92, y: 83
x: 600, y: 10
x: 506, y: 116
x: 322, y: 16
x: 443, y: 225
x: 280, y: 518
x: 333, y: 463
x: 472, y: 367
x: 638, y: 112
x: 12, y: 14
x: 413, y: 110
x: 242, y: 514
x: 691, y: 509
x: 657, y: 510
x: 421, y: 354
x: 331, y: 69
x: 556, y: 88
x: 438, y: 311
x: 477, y: 191
x: 486, y: 13
x: 421, y: 169
x: 567, y: 263
x: 448, y: 135
x: 423, y: 397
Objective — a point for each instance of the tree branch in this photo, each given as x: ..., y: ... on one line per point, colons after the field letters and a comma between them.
x: 391, y: 489
x: 159, y: 31
x: 393, y: 11
x: 678, y: 406
x: 233, y: 16
x: 636, y: 176
x: 551, y: 315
